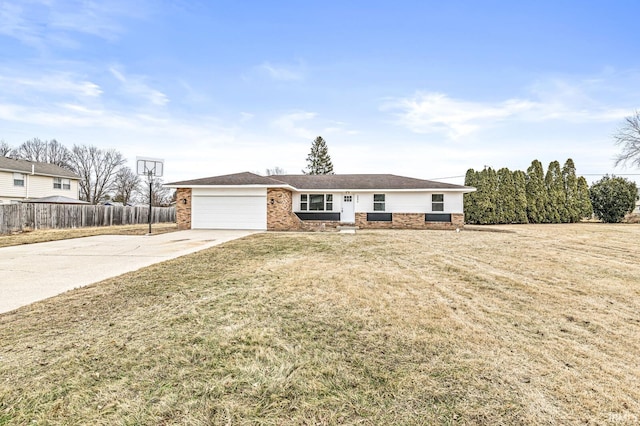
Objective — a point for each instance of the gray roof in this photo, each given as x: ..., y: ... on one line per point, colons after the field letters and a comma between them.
x: 24, y: 166
x: 362, y: 181
x: 54, y: 199
x: 246, y: 178
x: 321, y: 182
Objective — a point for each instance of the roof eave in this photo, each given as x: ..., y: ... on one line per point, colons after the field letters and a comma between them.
x: 461, y: 189
x: 28, y: 172
x: 253, y: 186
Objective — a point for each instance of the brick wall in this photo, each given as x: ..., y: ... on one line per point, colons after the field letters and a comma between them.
x: 280, y: 215
x: 183, y: 211
x: 410, y: 221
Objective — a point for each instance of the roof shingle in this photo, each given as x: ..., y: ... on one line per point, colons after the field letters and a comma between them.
x: 24, y: 166
x: 321, y: 182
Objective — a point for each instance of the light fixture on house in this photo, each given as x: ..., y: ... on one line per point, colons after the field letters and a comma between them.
x: 272, y: 201
x: 184, y: 201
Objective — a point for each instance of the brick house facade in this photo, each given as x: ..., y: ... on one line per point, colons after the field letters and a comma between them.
x: 317, y: 203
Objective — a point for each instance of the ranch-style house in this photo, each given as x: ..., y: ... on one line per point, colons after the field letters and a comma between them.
x: 318, y: 202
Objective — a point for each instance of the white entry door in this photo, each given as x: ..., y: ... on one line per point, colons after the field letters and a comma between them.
x: 348, y: 210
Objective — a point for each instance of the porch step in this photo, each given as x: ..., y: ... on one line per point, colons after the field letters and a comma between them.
x: 347, y: 229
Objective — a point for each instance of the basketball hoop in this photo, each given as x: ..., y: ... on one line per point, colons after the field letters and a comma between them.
x: 150, y: 167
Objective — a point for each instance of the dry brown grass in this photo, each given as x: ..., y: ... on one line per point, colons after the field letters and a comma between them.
x: 44, y: 235
x: 540, y: 325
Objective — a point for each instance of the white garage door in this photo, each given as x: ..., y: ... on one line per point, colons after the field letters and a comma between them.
x: 229, y: 212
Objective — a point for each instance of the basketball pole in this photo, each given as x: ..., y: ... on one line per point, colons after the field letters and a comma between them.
x: 150, y: 194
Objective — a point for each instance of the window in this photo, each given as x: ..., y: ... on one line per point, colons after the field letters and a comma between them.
x: 378, y: 202
x: 18, y: 179
x: 59, y: 183
x: 437, y: 202
x: 316, y: 202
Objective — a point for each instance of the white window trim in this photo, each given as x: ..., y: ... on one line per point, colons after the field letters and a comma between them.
x: 382, y: 203
x: 327, y: 201
x: 64, y: 184
x: 437, y: 203
x: 19, y: 177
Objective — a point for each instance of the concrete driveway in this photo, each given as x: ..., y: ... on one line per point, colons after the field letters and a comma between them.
x: 37, y: 271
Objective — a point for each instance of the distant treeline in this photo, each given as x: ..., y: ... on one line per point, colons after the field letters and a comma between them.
x: 558, y: 196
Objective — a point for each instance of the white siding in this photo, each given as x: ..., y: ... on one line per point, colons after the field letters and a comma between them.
x: 395, y: 202
x: 35, y: 186
x: 42, y: 186
x: 8, y: 190
x: 410, y: 202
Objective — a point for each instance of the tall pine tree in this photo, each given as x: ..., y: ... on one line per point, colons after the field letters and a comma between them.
x: 487, y: 194
x: 570, y: 181
x: 536, y: 193
x: 556, y: 209
x: 318, y: 160
x: 584, y: 199
x: 520, y: 196
x: 471, y: 199
x: 505, y: 203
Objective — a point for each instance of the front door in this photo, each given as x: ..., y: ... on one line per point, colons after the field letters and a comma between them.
x: 348, y: 214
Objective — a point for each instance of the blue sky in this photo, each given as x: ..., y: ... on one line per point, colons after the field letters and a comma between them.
x: 425, y: 89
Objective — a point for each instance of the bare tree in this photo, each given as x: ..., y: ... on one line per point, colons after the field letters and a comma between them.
x: 32, y: 150
x: 125, y: 185
x: 160, y: 196
x: 97, y: 169
x: 5, y: 149
x: 628, y: 136
x: 58, y: 154
x: 44, y: 152
x: 276, y: 171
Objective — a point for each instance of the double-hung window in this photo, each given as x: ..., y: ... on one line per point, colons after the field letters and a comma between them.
x: 316, y: 202
x: 59, y: 183
x: 18, y: 179
x: 378, y: 202
x: 437, y: 202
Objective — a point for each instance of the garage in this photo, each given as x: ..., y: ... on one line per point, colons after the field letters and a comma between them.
x: 229, y: 211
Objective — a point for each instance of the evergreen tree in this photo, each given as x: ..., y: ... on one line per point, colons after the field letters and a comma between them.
x: 570, y: 182
x: 487, y: 194
x: 318, y: 160
x: 613, y: 197
x: 585, y: 208
x: 555, y: 209
x: 520, y: 196
x: 536, y: 193
x: 471, y: 199
x: 505, y: 202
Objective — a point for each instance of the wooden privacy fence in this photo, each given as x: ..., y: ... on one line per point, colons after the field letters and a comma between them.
x: 20, y: 217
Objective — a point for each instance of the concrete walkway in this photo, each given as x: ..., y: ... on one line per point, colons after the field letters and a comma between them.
x: 35, y: 272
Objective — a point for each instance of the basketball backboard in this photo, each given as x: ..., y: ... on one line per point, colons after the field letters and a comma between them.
x: 147, y: 166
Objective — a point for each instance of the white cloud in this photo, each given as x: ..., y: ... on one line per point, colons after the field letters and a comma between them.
x: 282, y: 72
x: 551, y: 100
x: 39, y: 23
x: 56, y: 83
x: 289, y: 123
x: 136, y: 86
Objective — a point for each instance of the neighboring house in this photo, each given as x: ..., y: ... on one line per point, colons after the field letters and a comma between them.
x: 316, y: 202
x: 21, y: 180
